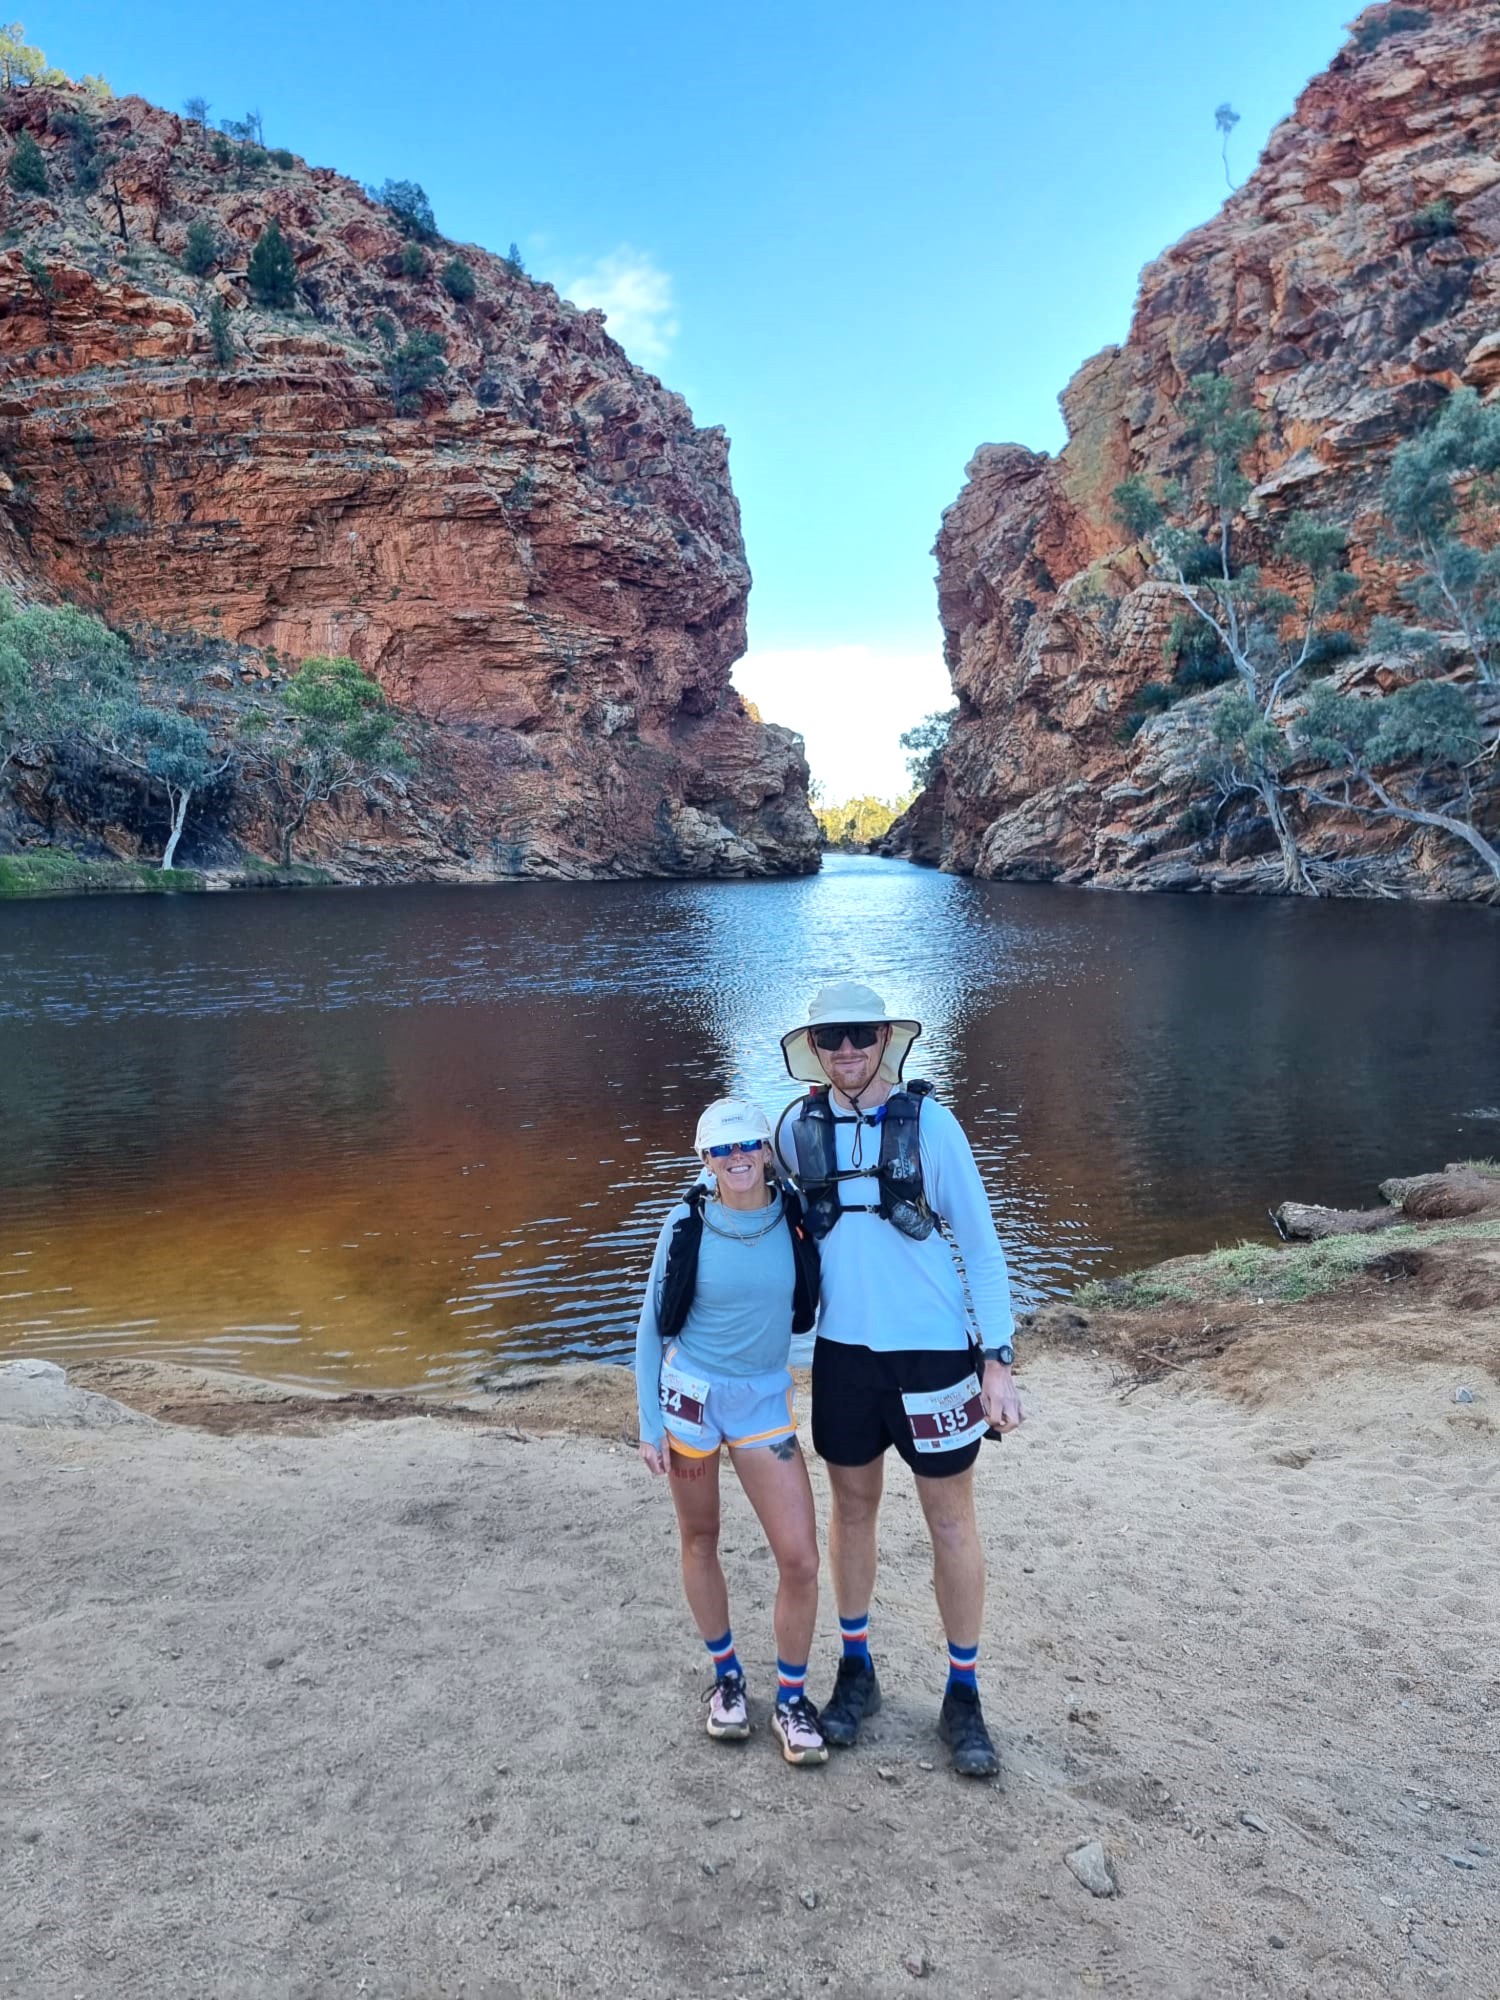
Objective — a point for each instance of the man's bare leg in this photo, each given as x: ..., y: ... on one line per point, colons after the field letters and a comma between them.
x: 958, y: 1578
x: 957, y: 1558
x: 856, y: 1491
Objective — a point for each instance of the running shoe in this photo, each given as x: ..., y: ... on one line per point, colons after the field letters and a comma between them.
x: 856, y: 1694
x: 728, y: 1717
x: 961, y: 1727
x: 796, y: 1725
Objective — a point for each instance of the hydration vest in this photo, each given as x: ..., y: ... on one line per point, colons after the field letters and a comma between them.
x: 680, y: 1279
x: 897, y: 1175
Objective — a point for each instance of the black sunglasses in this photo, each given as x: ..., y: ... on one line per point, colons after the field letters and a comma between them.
x: 860, y: 1034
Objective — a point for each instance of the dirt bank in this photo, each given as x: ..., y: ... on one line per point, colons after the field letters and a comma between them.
x: 409, y: 1708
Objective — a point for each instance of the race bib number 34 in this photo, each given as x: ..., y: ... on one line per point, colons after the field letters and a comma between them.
x: 682, y: 1396
x: 944, y: 1419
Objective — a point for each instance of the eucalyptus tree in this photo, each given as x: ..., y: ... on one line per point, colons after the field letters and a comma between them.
x: 336, y: 735
x: 1265, y: 637
x: 1442, y: 503
x: 1410, y: 756
x: 157, y: 736
x: 57, y: 666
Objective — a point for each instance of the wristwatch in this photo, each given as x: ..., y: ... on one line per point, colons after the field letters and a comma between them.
x: 1005, y: 1354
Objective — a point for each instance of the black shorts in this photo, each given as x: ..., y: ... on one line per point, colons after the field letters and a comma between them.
x: 858, y: 1408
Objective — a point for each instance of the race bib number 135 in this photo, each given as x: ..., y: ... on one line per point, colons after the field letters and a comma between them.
x: 944, y: 1419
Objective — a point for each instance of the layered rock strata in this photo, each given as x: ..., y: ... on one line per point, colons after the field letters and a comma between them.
x: 1349, y: 286
x: 541, y: 561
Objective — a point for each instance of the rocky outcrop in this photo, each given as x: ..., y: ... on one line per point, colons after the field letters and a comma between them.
x: 1348, y: 287
x: 540, y: 560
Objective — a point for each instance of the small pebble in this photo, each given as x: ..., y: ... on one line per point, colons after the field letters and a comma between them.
x: 736, y: 1813
x: 708, y: 1867
x: 1255, y: 1824
x: 809, y: 1899
x: 1461, y: 1860
x: 1463, y: 1395
x: 923, y: 1764
x: 918, y: 1966
x: 1478, y: 1847
x: 1090, y: 1864
x: 630, y: 1819
x: 1276, y: 1943
x: 1391, y: 1902
x: 887, y: 1772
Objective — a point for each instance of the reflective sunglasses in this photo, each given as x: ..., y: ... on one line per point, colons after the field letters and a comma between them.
x: 734, y: 1146
x: 861, y: 1034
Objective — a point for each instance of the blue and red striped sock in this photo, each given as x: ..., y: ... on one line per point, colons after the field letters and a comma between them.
x: 723, y: 1655
x: 856, y: 1636
x: 963, y: 1666
x: 790, y: 1681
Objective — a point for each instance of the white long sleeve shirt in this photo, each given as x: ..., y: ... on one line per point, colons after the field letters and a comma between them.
x: 887, y: 1291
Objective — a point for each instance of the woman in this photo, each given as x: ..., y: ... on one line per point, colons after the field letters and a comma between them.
x: 734, y: 1275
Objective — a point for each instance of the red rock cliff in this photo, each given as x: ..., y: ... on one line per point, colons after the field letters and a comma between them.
x: 1347, y: 323
x: 543, y: 561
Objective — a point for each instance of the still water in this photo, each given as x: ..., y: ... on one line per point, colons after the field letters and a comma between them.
x: 389, y: 1138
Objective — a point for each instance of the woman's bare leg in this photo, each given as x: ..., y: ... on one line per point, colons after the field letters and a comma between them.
x: 776, y: 1484
x: 695, y: 1494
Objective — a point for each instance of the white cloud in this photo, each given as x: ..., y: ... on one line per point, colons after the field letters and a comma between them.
x: 851, y: 704
x: 635, y: 294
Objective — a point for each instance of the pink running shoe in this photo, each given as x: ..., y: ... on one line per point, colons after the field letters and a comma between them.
x: 796, y: 1725
x: 728, y: 1717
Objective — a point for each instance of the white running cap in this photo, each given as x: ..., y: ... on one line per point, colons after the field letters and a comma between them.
x: 729, y: 1119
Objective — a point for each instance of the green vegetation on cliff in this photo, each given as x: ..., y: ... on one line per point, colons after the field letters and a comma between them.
x: 1423, y: 752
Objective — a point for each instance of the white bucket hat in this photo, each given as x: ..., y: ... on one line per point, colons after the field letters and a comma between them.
x: 848, y: 1000
x: 729, y: 1119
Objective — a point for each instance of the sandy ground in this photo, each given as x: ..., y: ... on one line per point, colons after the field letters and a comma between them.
x: 410, y: 1708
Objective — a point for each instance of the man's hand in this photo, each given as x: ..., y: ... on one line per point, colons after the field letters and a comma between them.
x: 657, y: 1457
x: 1002, y: 1405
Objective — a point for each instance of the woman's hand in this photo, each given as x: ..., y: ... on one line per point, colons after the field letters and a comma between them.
x: 657, y: 1457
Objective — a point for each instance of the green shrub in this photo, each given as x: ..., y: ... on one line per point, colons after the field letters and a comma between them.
x: 83, y: 149
x: 1394, y: 21
x: 458, y: 281
x: 387, y: 329
x: 513, y: 262
x: 27, y: 172
x: 253, y: 158
x: 1437, y: 219
x: 220, y: 335
x: 409, y: 209
x: 221, y: 149
x: 36, y: 269
x: 413, y: 368
x: 415, y: 262
x: 201, y: 251
x: 1327, y: 650
x: 273, y: 272
x: 284, y: 158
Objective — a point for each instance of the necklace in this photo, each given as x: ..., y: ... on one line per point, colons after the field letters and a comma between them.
x: 749, y: 1236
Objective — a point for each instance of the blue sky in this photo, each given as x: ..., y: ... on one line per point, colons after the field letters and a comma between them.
x: 865, y: 239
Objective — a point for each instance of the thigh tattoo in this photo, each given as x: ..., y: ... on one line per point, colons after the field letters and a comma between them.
x: 784, y: 1448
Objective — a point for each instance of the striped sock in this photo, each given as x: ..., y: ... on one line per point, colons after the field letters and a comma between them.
x: 725, y: 1659
x: 790, y: 1681
x: 963, y: 1666
x: 856, y: 1634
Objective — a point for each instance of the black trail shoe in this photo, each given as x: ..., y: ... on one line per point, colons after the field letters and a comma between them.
x: 856, y: 1694
x: 961, y: 1726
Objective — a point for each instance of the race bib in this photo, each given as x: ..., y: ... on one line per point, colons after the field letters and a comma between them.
x: 682, y: 1396
x: 944, y: 1419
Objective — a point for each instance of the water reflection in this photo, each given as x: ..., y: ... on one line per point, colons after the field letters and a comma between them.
x: 388, y: 1137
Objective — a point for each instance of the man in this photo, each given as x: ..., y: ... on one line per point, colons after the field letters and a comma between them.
x: 880, y: 1164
